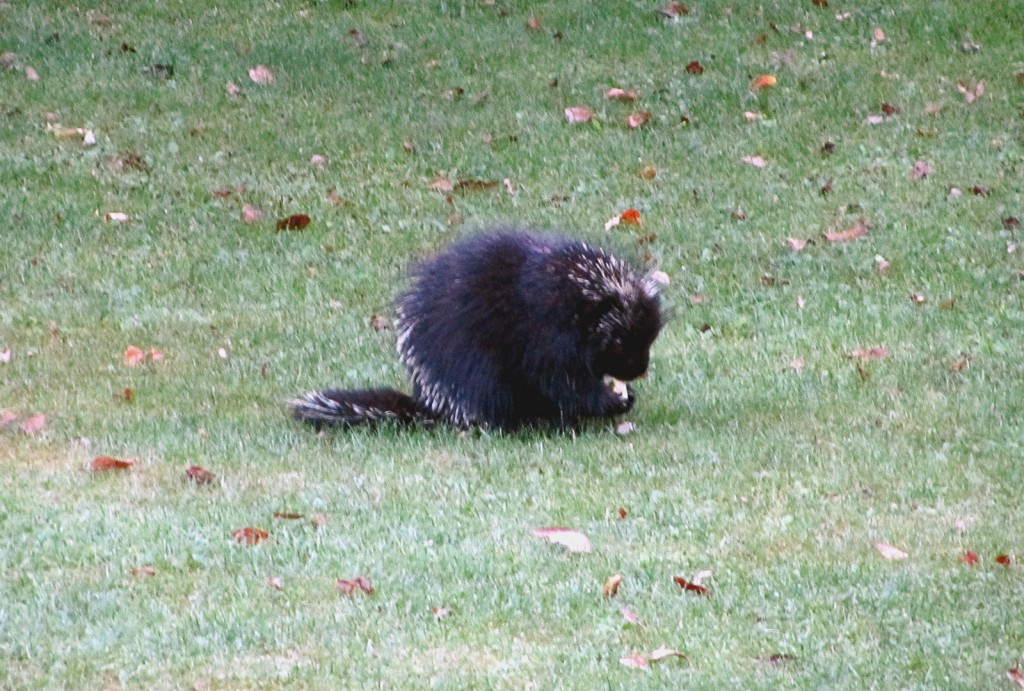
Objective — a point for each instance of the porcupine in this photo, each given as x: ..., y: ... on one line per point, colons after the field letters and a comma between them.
x: 511, y: 329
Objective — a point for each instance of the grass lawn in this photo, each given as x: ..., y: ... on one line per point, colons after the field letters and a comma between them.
x: 810, y: 399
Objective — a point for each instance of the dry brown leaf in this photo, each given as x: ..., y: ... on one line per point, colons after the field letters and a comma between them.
x: 890, y: 552
x: 103, y: 463
x: 611, y: 586
x: 251, y: 214
x: 856, y: 231
x: 695, y: 68
x: 663, y: 653
x: 617, y: 94
x: 34, y: 423
x: 261, y: 74
x: 249, y: 535
x: 1015, y: 675
x: 199, y: 475
x: 763, y: 81
x: 443, y: 185
x: 629, y: 616
x: 579, y: 114
x: 869, y: 353
x: 634, y: 661
x: 293, y: 222
x: 572, y: 540
x: 638, y: 118
x: 921, y: 170
x: 674, y: 10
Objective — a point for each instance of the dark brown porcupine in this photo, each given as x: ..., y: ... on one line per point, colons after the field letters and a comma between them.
x: 511, y: 329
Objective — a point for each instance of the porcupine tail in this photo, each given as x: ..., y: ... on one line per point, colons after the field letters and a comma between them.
x: 355, y: 407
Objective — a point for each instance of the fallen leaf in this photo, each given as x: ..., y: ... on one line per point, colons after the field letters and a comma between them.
x: 1015, y: 675
x: 232, y: 89
x: 660, y: 277
x: 648, y: 172
x: 869, y: 353
x: 1004, y: 559
x: 261, y: 74
x: 288, y: 516
x: 878, y: 35
x: 798, y: 364
x: 826, y: 188
x: 819, y: 3
x: 971, y: 93
x: 623, y: 513
x: 921, y: 170
x: 969, y: 558
x: 664, y: 653
x: 276, y: 582
x: 890, y: 552
x: 960, y: 364
x: 777, y: 658
x: 918, y: 299
x: 31, y: 74
x: 293, y: 222
x: 691, y: 586
x: 348, y: 587
x: 472, y: 184
x: 881, y: 264
x: 624, y: 428
x: 440, y: 612
x: 695, y: 68
x: 674, y: 10
x: 979, y: 191
x: 634, y: 661
x: 34, y: 423
x: 249, y: 535
x: 874, y: 119
x: 318, y: 160
x: 144, y: 571
x: 611, y: 586
x: 621, y: 94
x: 698, y: 299
x: 8, y: 417
x: 890, y: 110
x: 796, y: 244
x: 752, y: 116
x: 638, y: 118
x: 199, y: 475
x: 763, y: 81
x: 578, y: 114
x: 379, y: 323
x: 251, y: 214
x: 134, y: 356
x: 632, y: 217
x: 1011, y: 223
x: 846, y: 235
x: 572, y: 540
x: 155, y: 355
x: 102, y: 463
x: 443, y: 185
x: 5, y: 355
x: 533, y: 24
x: 756, y: 161
x: 629, y: 616
x: 116, y: 217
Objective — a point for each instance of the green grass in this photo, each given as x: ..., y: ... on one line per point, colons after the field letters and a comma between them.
x: 779, y: 479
